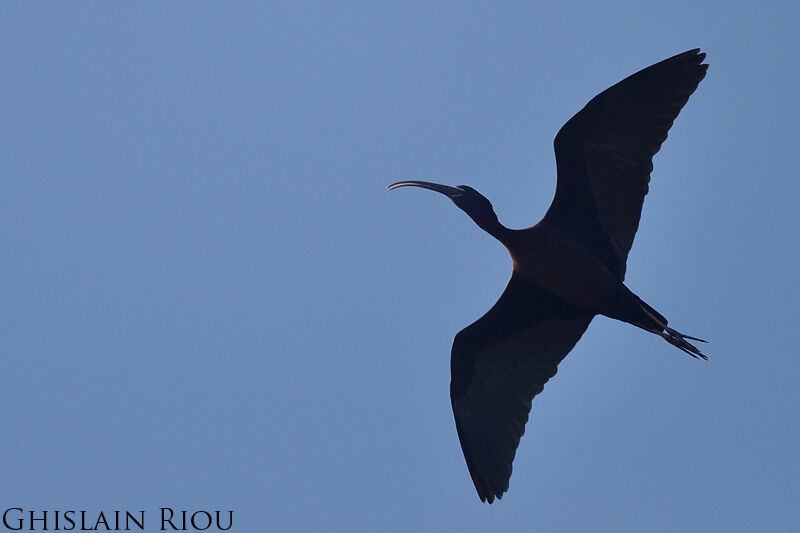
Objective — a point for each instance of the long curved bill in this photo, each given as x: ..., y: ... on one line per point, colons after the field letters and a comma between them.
x: 444, y: 189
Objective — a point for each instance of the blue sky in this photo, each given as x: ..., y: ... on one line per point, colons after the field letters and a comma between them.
x: 212, y: 302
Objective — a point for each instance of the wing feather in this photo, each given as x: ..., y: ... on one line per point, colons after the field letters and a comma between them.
x: 605, y: 154
x: 498, y: 365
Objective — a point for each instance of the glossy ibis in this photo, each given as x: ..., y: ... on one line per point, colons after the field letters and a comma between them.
x: 567, y: 268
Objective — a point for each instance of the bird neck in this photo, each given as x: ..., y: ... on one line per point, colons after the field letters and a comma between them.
x: 489, y: 223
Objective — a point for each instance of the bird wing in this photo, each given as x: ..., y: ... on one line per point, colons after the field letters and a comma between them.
x: 604, y: 156
x: 498, y: 365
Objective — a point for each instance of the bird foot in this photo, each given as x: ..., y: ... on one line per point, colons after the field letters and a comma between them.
x: 678, y: 340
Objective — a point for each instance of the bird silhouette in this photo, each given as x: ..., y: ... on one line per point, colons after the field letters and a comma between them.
x: 567, y: 268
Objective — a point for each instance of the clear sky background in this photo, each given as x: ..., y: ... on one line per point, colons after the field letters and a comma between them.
x: 210, y: 300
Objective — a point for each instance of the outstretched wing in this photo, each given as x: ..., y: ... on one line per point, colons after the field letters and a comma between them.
x: 498, y: 365
x: 605, y: 154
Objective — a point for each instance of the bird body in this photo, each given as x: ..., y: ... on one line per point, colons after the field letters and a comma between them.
x: 550, y: 259
x: 568, y: 268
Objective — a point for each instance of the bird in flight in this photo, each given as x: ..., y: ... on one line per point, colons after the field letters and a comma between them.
x: 567, y: 268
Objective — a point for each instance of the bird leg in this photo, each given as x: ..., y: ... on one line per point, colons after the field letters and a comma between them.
x: 678, y: 340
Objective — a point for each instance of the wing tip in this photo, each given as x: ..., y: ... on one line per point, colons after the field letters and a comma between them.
x: 685, y: 60
x: 488, y: 493
x: 694, y: 53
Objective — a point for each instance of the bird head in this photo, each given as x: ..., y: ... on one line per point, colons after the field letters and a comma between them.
x: 465, y: 197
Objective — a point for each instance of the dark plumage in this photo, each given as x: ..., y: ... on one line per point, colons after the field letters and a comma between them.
x: 567, y: 268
